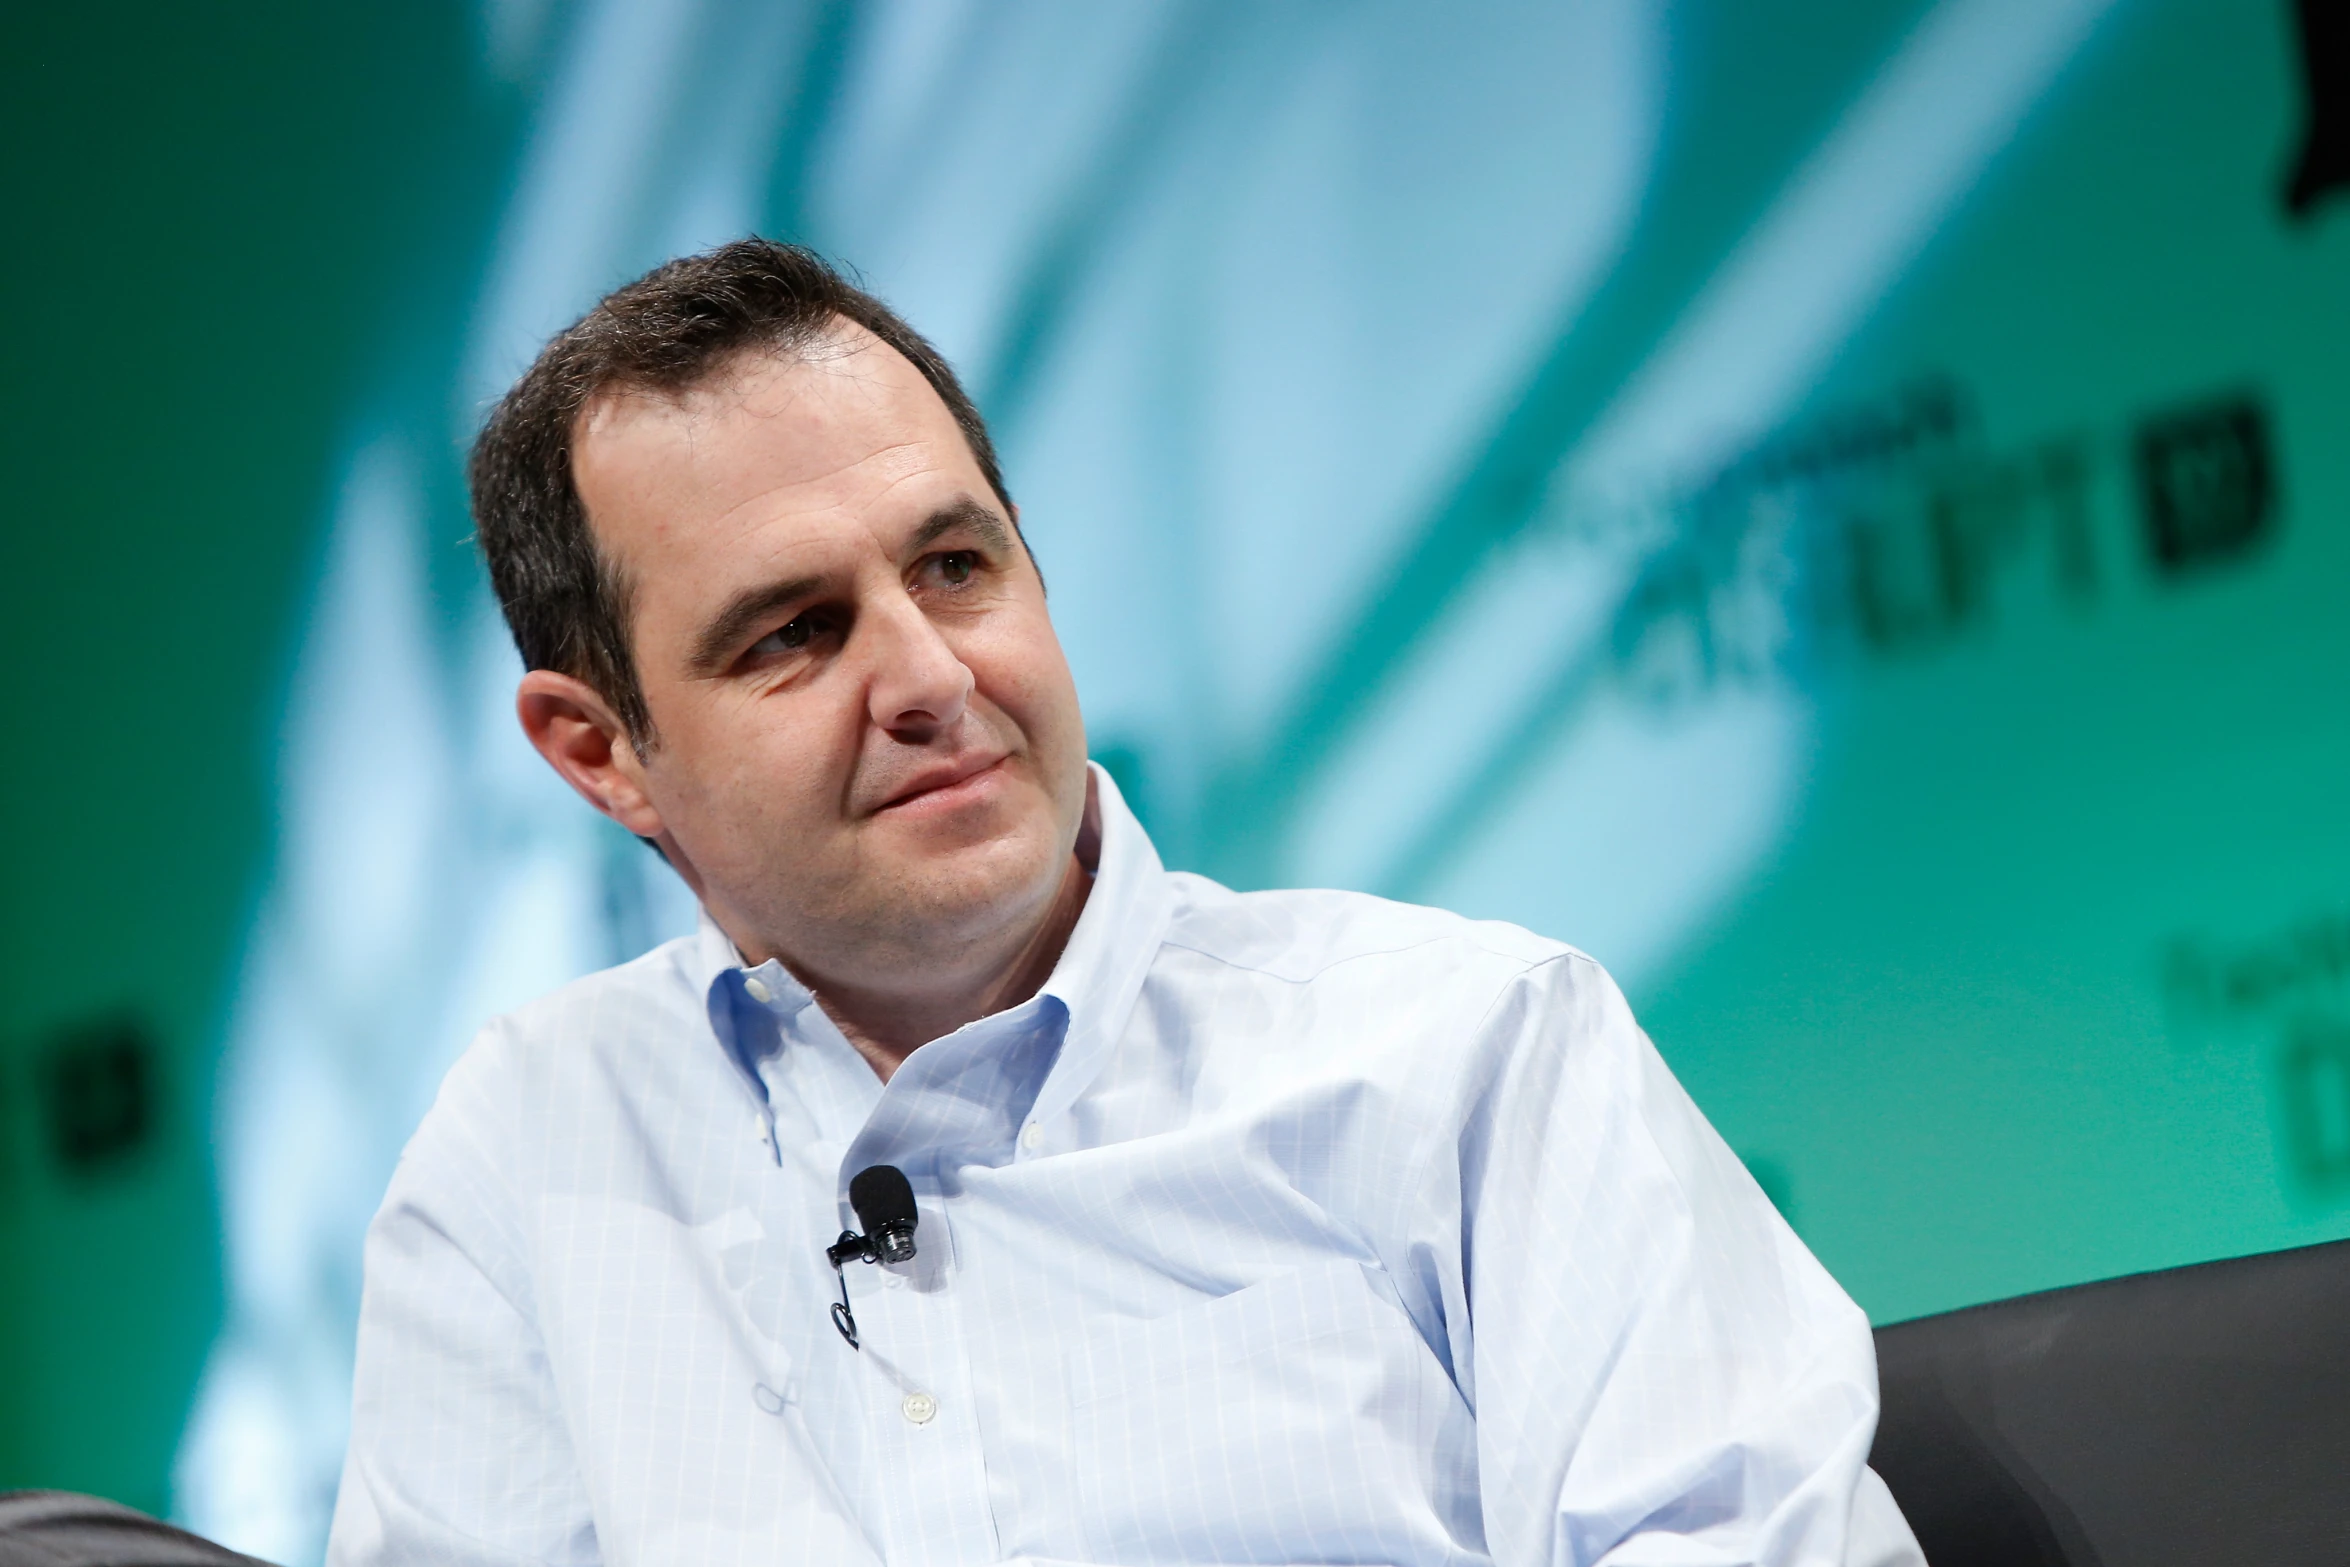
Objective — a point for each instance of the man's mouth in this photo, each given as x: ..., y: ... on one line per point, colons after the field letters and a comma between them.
x: 945, y: 785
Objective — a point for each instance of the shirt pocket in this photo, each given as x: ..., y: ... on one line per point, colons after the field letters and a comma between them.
x: 1299, y: 1419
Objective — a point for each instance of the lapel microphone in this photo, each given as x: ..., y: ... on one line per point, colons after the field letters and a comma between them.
x: 884, y: 1201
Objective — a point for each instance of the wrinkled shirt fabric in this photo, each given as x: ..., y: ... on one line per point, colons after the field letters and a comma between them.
x: 1278, y: 1227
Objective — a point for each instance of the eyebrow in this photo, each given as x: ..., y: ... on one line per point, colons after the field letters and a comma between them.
x: 966, y: 514
x: 714, y: 649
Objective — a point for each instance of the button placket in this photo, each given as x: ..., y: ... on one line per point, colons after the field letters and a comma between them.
x: 917, y: 1360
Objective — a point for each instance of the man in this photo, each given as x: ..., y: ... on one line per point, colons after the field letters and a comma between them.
x: 1283, y: 1227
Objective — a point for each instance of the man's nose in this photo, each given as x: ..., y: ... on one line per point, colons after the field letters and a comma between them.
x: 919, y: 685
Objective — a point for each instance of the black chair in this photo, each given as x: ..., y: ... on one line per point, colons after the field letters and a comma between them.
x: 62, y: 1529
x: 2187, y: 1418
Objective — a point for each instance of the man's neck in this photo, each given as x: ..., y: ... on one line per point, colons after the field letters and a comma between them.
x: 886, y: 1026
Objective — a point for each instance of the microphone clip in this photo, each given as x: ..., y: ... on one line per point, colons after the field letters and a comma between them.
x: 850, y: 1245
x: 885, y: 1206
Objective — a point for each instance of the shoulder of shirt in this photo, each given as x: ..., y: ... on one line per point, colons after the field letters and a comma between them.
x: 621, y: 1010
x: 1301, y: 934
x: 531, y: 1073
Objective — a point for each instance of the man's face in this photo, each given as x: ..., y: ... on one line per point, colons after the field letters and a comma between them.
x: 868, y: 748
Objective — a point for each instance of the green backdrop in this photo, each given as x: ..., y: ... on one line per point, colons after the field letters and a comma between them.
x: 2031, y: 995
x: 217, y: 217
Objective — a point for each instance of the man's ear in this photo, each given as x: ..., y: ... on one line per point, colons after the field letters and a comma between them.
x: 583, y: 739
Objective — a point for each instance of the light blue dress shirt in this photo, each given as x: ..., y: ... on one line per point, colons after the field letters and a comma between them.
x: 1277, y: 1228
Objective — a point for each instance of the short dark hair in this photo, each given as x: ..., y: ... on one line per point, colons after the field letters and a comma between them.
x: 669, y: 331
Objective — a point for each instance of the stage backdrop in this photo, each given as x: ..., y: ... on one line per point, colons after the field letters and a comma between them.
x: 1837, y: 508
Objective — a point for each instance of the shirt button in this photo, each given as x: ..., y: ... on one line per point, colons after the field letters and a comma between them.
x: 919, y: 1408
x: 1032, y: 1137
x: 756, y: 989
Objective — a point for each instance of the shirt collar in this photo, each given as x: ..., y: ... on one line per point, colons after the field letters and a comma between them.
x: 1096, y: 981
x: 1110, y: 952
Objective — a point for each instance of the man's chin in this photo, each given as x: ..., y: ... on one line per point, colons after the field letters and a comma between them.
x: 976, y: 878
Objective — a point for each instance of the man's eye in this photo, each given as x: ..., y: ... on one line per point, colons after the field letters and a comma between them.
x: 791, y: 636
x: 956, y: 566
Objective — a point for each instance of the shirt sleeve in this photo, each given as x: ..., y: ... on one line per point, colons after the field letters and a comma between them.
x: 459, y: 1452
x: 1661, y: 1372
